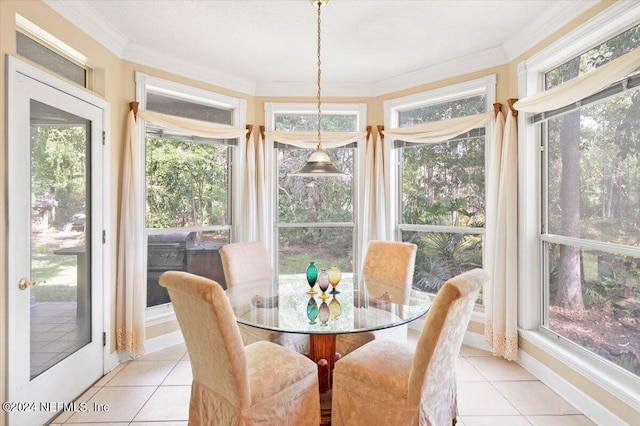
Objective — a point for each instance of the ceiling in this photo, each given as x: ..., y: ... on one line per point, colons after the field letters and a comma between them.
x: 369, y: 47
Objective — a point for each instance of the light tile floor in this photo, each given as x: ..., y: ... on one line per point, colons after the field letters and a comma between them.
x: 154, y: 390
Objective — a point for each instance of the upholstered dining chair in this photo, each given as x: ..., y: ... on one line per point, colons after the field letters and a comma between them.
x: 258, y: 384
x: 384, y: 382
x: 248, y: 262
x: 391, y: 263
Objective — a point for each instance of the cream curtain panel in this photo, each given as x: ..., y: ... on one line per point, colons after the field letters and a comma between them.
x: 130, y: 294
x: 193, y: 127
x: 501, y: 261
x: 130, y: 286
x: 438, y: 131
x: 375, y: 193
x: 255, y: 215
x: 310, y: 139
x: 582, y: 86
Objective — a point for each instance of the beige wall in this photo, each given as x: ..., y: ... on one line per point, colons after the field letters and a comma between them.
x: 115, y: 82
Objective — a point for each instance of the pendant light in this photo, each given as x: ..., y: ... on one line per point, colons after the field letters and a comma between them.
x: 318, y: 164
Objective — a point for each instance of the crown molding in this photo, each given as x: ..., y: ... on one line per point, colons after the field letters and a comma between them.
x: 80, y: 14
x: 310, y: 89
x: 455, y: 67
x: 84, y: 17
x: 156, y: 59
x: 545, y: 25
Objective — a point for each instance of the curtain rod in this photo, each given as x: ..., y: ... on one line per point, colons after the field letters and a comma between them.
x: 133, y: 106
x: 512, y: 101
x: 497, y: 107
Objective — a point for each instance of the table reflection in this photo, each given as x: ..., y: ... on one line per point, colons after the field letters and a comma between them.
x: 363, y: 304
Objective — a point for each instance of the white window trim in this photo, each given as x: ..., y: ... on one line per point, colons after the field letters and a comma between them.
x: 49, y: 40
x: 485, y: 85
x: 163, y: 313
x: 270, y: 110
x: 609, y: 23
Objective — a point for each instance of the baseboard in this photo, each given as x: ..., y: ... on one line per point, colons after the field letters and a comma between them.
x: 476, y: 340
x: 163, y: 342
x: 596, y: 412
x: 151, y: 345
x: 112, y: 362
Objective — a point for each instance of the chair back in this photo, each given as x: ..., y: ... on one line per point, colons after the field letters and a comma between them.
x: 432, y: 377
x: 211, y: 334
x: 389, y: 265
x: 245, y: 262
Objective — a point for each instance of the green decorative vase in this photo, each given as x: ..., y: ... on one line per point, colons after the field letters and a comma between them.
x: 312, y: 276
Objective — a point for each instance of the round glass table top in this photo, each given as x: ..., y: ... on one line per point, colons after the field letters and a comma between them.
x: 361, y: 304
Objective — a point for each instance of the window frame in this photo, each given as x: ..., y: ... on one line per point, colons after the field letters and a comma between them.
x: 144, y: 83
x: 531, y: 273
x: 58, y: 47
x: 485, y: 85
x: 271, y: 110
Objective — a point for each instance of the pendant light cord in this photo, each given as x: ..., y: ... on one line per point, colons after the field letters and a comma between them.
x: 319, y: 74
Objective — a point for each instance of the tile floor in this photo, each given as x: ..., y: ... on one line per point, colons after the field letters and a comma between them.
x: 154, y: 391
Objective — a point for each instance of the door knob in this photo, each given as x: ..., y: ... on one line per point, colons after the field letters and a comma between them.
x: 24, y: 283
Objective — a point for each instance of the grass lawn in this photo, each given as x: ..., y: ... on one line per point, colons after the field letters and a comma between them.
x: 55, y: 293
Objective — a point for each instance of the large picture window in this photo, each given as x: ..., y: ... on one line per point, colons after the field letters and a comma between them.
x: 189, y: 188
x: 591, y: 211
x: 440, y: 188
x: 315, y: 218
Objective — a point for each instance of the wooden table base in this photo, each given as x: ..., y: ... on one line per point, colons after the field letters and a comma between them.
x: 322, y: 350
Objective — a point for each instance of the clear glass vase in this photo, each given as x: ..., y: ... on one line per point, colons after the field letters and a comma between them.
x: 334, y: 279
x: 323, y: 283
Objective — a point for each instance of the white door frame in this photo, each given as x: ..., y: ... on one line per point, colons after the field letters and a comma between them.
x: 100, y: 203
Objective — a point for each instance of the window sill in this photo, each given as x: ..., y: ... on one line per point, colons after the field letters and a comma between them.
x: 619, y: 383
x: 159, y: 314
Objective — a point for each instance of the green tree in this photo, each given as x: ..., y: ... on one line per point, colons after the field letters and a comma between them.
x: 187, y: 183
x: 59, y: 164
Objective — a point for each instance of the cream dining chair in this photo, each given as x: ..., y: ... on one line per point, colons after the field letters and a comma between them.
x: 392, y: 264
x: 258, y: 384
x: 384, y: 382
x: 247, y: 262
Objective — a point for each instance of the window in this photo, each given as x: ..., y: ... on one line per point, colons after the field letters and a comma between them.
x: 590, y: 211
x: 315, y: 218
x: 44, y: 49
x: 189, y: 185
x: 439, y: 189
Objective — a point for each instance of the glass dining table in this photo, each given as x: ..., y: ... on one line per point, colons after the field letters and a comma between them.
x: 358, y: 303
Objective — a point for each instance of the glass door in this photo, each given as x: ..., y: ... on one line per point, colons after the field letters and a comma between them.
x: 54, y: 248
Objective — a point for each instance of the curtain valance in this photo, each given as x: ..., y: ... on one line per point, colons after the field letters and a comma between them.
x: 439, y: 131
x: 193, y: 127
x: 310, y: 139
x: 581, y: 86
